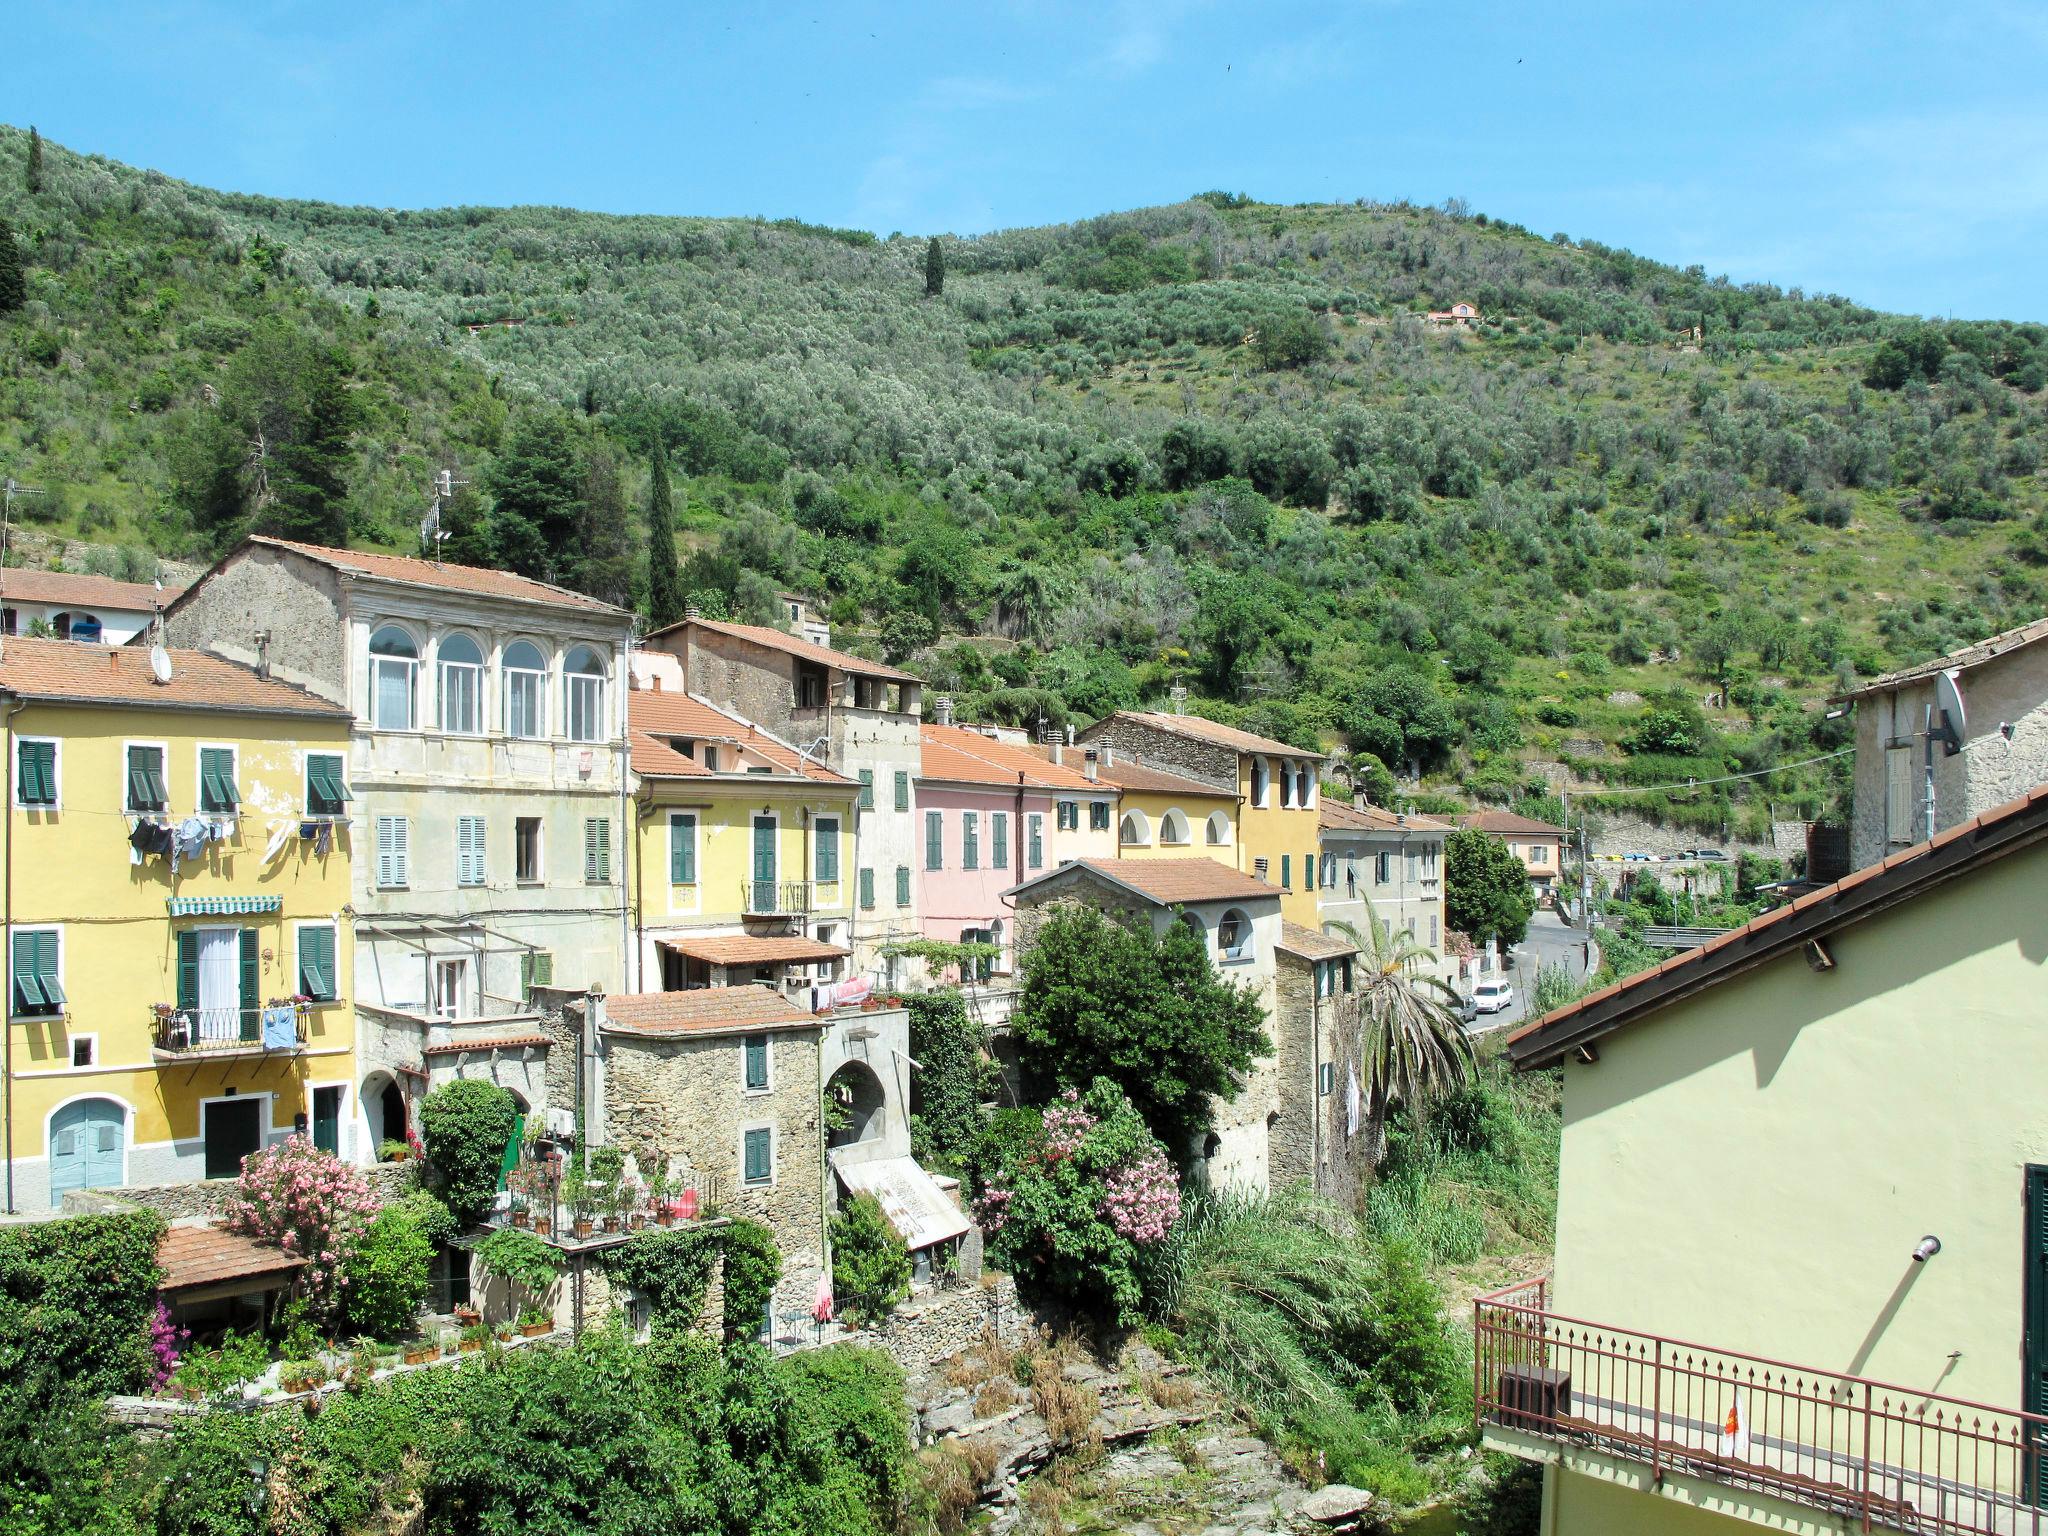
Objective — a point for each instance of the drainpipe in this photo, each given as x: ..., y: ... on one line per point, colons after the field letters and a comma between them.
x: 7, y: 928
x: 629, y: 830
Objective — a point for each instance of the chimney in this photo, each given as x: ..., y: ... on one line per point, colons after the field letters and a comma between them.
x: 654, y: 681
x: 1070, y: 734
x: 693, y: 613
x: 1091, y: 765
x: 1059, y: 753
x: 942, y: 709
x: 263, y: 653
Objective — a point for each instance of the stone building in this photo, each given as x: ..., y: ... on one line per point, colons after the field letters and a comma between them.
x: 1239, y: 920
x: 1274, y: 784
x: 1318, y: 1133
x: 857, y: 717
x: 1997, y: 753
x: 486, y: 782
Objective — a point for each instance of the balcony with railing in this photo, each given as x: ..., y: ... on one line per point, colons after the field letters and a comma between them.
x: 778, y: 898
x: 550, y: 1196
x: 1880, y: 1457
x: 181, y: 1033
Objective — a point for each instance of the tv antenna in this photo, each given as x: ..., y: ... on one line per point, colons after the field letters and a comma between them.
x: 431, y: 536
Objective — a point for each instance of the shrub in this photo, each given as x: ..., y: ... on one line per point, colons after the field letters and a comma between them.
x: 946, y: 1095
x: 466, y: 1126
x: 387, y: 1272
x: 753, y: 1266
x: 670, y: 1269
x: 1074, y: 1205
x: 855, y: 1399
x: 870, y: 1264
x: 309, y: 1203
x: 520, y: 1258
x: 77, y: 1300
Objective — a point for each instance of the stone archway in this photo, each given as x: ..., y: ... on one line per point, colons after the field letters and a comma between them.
x: 856, y: 1105
x: 384, y: 1110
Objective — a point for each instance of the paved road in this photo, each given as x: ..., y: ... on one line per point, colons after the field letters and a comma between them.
x: 1550, y: 942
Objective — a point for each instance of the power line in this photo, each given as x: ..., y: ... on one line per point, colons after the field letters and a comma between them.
x: 1730, y: 778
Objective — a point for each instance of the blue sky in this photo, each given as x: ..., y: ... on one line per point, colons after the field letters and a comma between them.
x: 1897, y: 153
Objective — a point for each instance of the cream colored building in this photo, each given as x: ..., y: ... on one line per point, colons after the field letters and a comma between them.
x: 1801, y: 1282
x: 1384, y: 864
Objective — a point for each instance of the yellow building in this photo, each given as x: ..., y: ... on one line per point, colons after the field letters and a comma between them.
x: 175, y: 873
x: 1277, y: 832
x: 744, y: 864
x: 1165, y: 815
x: 1801, y: 1282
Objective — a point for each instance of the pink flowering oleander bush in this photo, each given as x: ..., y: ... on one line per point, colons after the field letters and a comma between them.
x: 309, y: 1203
x: 166, y: 1344
x: 1078, y: 1202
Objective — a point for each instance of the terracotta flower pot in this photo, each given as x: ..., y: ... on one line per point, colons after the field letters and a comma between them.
x: 535, y: 1330
x: 582, y: 1227
x: 519, y: 1218
x: 420, y: 1356
x: 611, y: 1223
x: 470, y: 1346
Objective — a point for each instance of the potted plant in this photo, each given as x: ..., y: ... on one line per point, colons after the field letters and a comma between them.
x: 302, y: 1375
x: 473, y: 1338
x: 535, y: 1321
x: 389, y: 1151
x: 420, y: 1351
x: 503, y: 1331
x: 448, y: 1342
x: 465, y: 1314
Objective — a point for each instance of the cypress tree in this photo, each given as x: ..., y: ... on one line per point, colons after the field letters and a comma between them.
x: 13, y: 282
x: 666, y: 598
x: 934, y: 268
x: 603, y: 564
x: 35, y: 160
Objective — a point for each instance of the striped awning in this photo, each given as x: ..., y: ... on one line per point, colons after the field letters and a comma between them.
x: 224, y: 906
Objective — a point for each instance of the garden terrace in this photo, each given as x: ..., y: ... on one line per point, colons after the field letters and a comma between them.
x: 580, y: 1213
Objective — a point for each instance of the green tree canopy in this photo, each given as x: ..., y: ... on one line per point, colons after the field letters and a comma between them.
x: 466, y: 1126
x: 666, y: 598
x: 934, y: 268
x: 537, y: 484
x: 1486, y: 888
x: 1104, y: 998
x: 13, y: 276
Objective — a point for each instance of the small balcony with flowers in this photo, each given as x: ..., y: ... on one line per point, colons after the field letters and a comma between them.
x: 583, y: 1202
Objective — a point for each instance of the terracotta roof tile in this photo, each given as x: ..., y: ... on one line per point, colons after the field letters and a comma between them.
x: 776, y: 640
x: 1170, y: 881
x: 956, y: 755
x: 1969, y: 656
x: 654, y: 717
x: 1507, y: 821
x: 81, y: 588
x: 1143, y: 777
x: 120, y: 676
x: 1360, y: 817
x: 477, y: 579
x: 1297, y: 939
x: 1728, y: 954
x: 704, y: 1011
x: 487, y: 1043
x: 1195, y: 728
x: 754, y: 949
x: 196, y: 1256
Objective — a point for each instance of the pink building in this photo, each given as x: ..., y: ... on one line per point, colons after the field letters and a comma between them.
x: 991, y: 815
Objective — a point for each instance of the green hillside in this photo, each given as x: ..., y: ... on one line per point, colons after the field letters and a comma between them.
x: 1209, y: 444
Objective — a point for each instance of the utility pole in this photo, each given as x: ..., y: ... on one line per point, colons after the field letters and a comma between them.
x: 430, y: 531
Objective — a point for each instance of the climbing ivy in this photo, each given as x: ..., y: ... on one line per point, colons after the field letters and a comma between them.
x: 753, y: 1264
x: 670, y: 1269
x: 945, y: 1095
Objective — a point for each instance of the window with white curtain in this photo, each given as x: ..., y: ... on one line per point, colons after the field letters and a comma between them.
x: 461, y: 685
x: 524, y: 670
x: 583, y: 691
x: 394, y: 679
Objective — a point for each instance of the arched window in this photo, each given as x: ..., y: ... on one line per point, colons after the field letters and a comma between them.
x: 525, y: 671
x: 1195, y: 923
x: 1304, y: 785
x: 394, y: 679
x: 1261, y: 780
x: 1135, y: 831
x: 583, y: 694
x: 1219, y: 830
x: 1173, y: 828
x: 1286, y: 785
x: 461, y: 685
x: 1234, y: 936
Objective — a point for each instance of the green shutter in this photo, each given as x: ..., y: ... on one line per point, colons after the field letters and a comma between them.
x: 597, y: 851
x: 757, y: 1061
x: 511, y: 1158
x: 316, y: 964
x: 1035, y: 826
x: 326, y: 793
x: 536, y: 969
x: 217, y: 790
x: 757, y: 1157
x: 188, y: 969
x: 867, y: 890
x: 46, y: 970
x: 1000, y: 837
x: 902, y: 790
x: 867, y: 789
x: 252, y: 982
x: 827, y: 850
x: 146, y: 779
x: 970, y: 840
x: 934, y: 840
x: 902, y: 885
x: 1286, y: 871
x: 38, y: 773
x: 28, y: 989
x: 682, y: 850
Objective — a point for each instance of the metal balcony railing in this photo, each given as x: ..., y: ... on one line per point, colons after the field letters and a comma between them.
x: 202, y: 1031
x: 542, y: 1196
x: 778, y: 898
x: 1885, y: 1457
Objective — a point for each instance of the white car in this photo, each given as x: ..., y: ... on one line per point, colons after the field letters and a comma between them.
x: 1493, y: 996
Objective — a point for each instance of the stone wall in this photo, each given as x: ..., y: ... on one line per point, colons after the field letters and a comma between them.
x: 1135, y: 741
x: 1290, y: 1149
x: 1623, y: 832
x: 933, y: 1327
x: 210, y: 1197
x: 296, y: 600
x: 736, y: 674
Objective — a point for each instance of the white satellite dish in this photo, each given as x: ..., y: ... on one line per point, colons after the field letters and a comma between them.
x: 1948, y: 700
x: 160, y: 663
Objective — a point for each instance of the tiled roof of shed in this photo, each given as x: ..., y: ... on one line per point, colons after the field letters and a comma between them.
x: 191, y: 1257
x: 1195, y: 728
x: 81, y: 589
x: 705, y: 1010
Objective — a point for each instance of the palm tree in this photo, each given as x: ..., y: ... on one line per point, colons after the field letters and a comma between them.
x: 1412, y: 1045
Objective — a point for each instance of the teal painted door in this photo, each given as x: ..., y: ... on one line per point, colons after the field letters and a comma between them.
x: 2034, y: 1389
x: 86, y: 1143
x: 327, y: 1120
x: 764, y: 864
